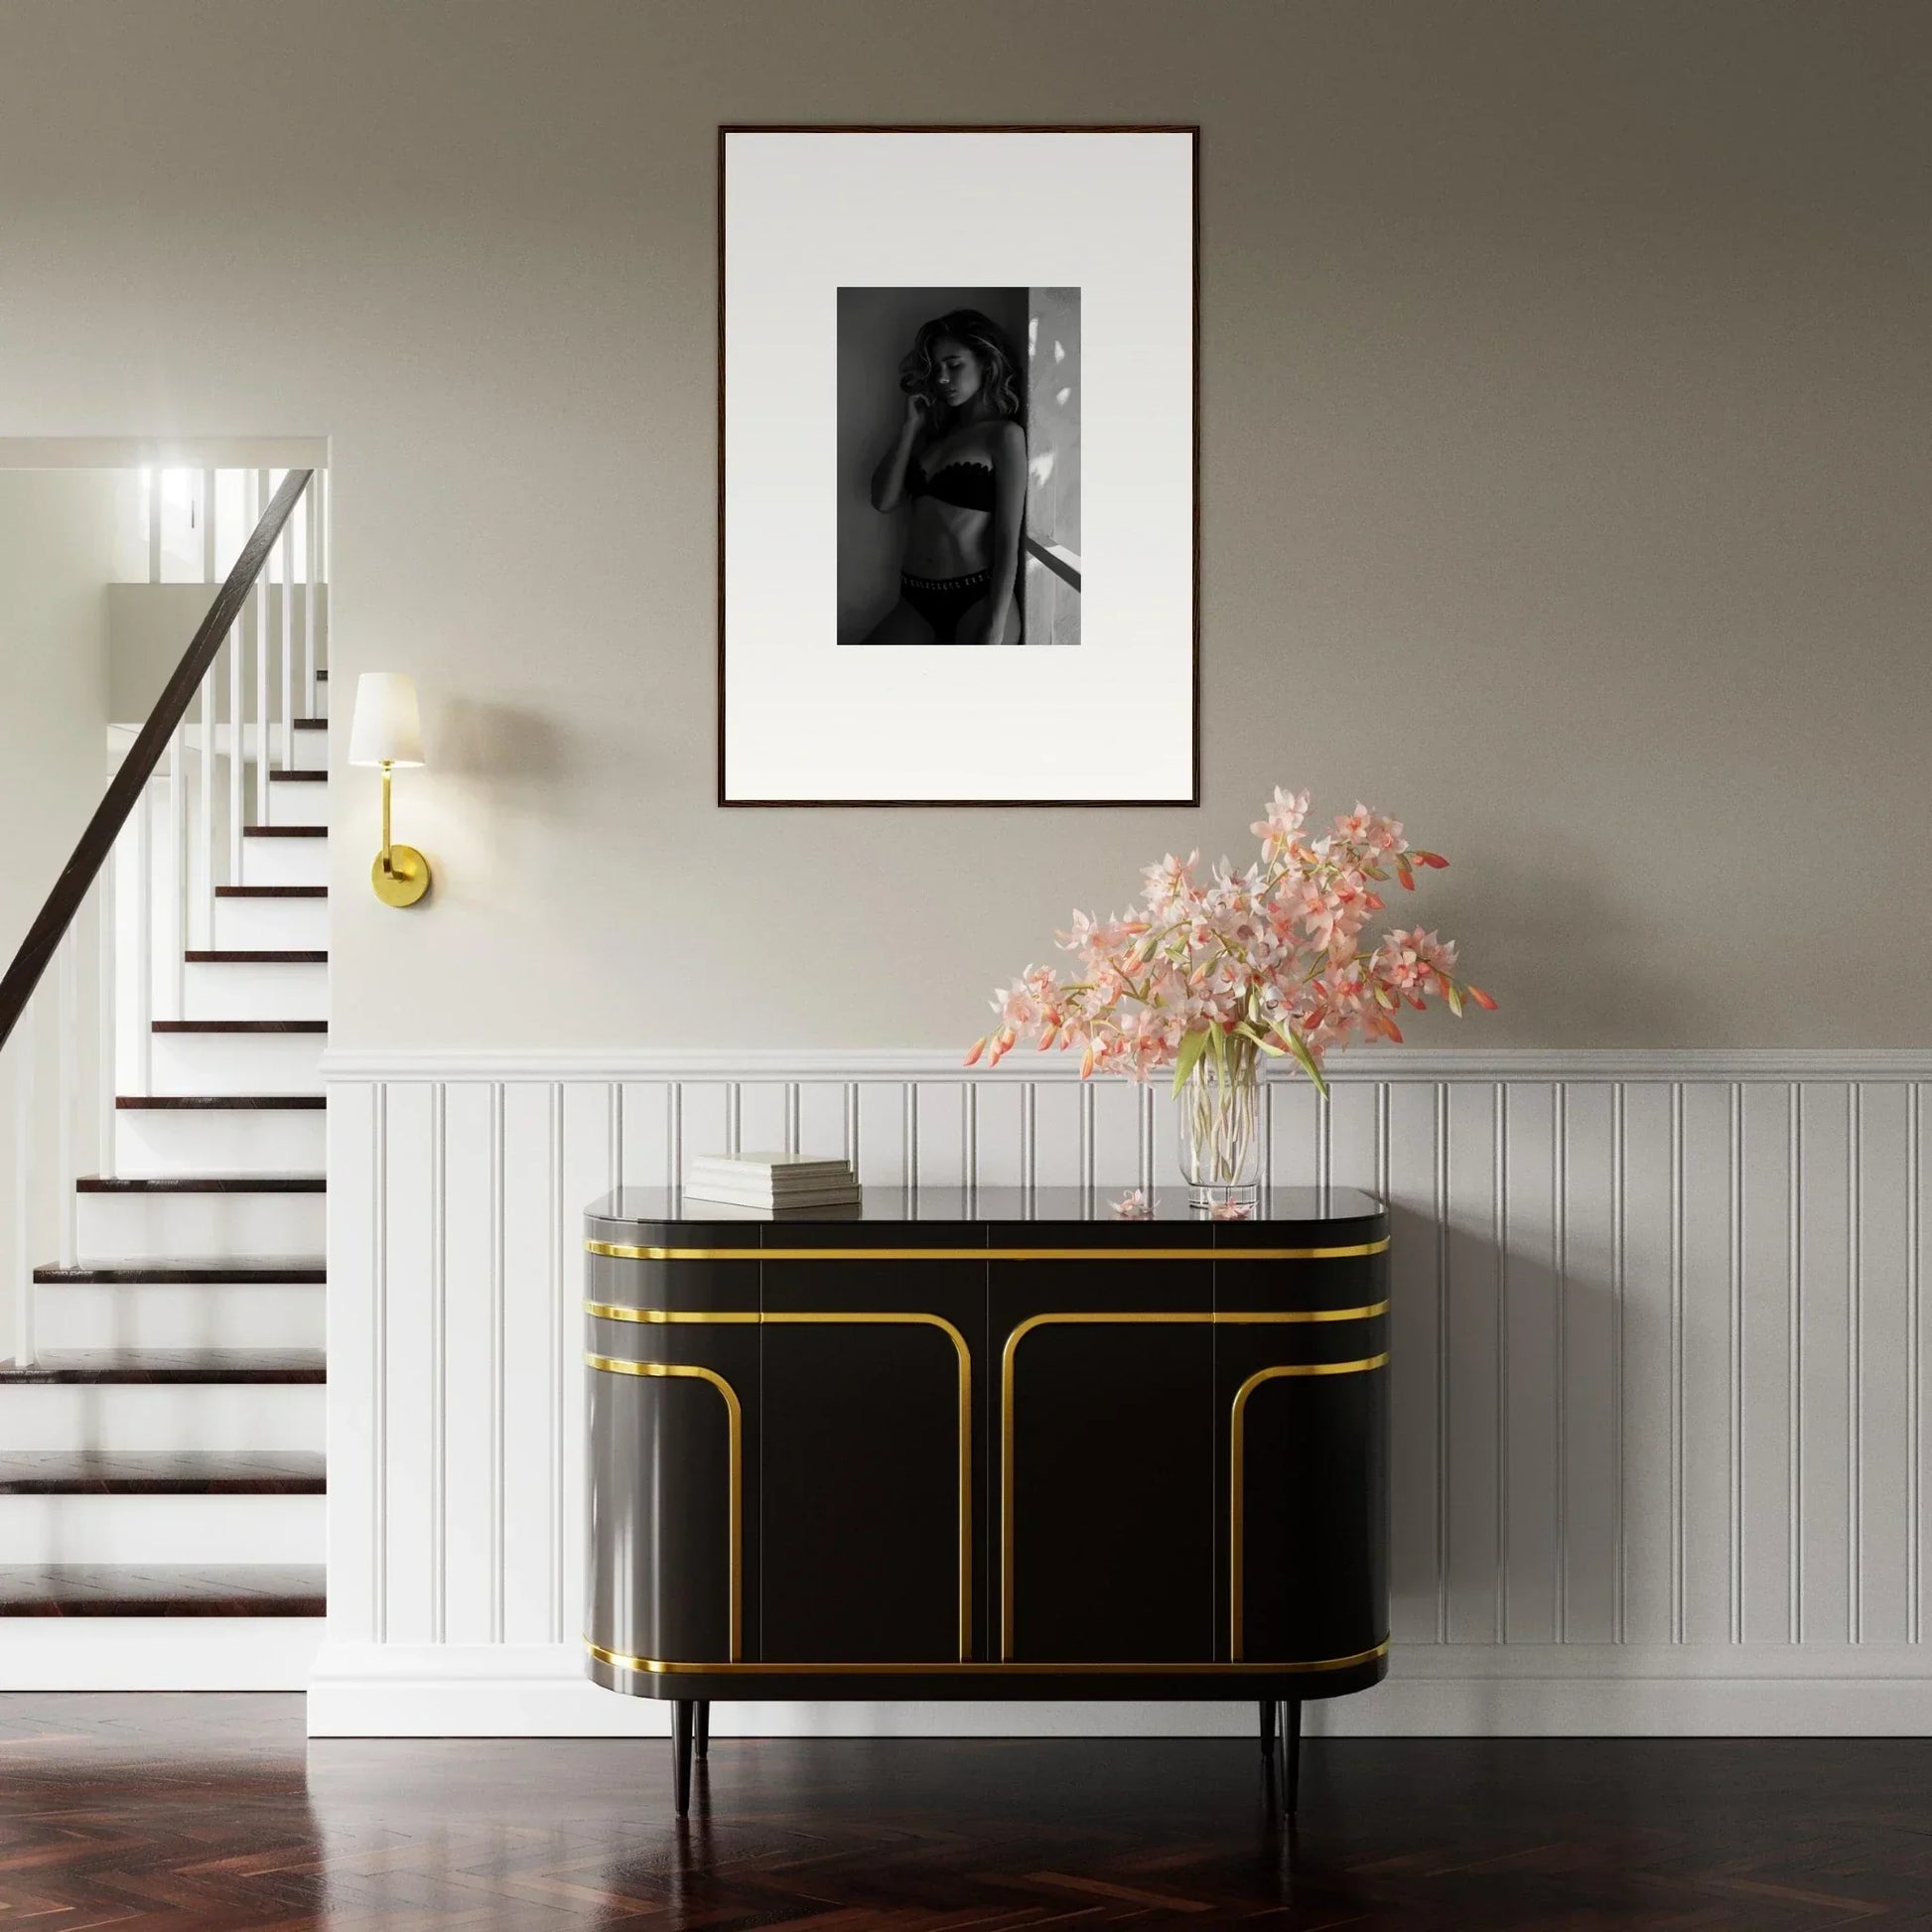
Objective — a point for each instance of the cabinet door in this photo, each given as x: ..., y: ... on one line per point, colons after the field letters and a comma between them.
x: 671, y: 1352
x: 1302, y: 1429
x: 871, y: 1522
x: 1104, y: 1437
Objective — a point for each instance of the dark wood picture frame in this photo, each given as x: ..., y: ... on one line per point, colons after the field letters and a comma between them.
x: 1192, y: 131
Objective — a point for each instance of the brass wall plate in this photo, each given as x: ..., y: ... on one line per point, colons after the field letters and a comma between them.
x: 404, y: 880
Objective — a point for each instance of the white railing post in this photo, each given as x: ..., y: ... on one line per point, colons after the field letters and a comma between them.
x: 158, y: 478
x: 66, y: 1095
x: 312, y: 510
x: 177, y: 873
x: 143, y: 946
x: 204, y: 862
x: 325, y: 569
x: 236, y: 647
x: 263, y: 491
x: 286, y: 545
x: 107, y: 907
x: 22, y: 1046
x: 208, y: 548
x: 236, y: 650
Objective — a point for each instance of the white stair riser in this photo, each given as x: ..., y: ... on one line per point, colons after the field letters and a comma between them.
x: 162, y: 1416
x: 162, y: 1529
x: 238, y: 1063
x: 272, y: 924
x: 255, y: 990
x: 297, y: 804
x: 190, y: 1314
x: 219, y: 1139
x: 161, y: 1227
x: 285, y: 862
x: 311, y: 752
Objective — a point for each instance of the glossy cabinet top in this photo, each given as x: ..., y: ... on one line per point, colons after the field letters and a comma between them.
x: 1074, y: 1214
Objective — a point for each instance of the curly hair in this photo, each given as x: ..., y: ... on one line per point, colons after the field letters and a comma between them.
x: 999, y: 381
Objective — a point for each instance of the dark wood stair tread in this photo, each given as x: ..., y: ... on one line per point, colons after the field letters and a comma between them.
x: 234, y: 956
x: 298, y: 777
x: 102, y: 1366
x: 202, y: 1184
x: 241, y: 1026
x: 162, y: 1589
x: 162, y: 1473
x: 266, y: 1103
x: 284, y: 831
x: 271, y: 891
x: 278, y: 1270
x: 312, y: 724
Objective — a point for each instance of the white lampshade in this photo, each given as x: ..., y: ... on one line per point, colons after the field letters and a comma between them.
x: 386, y: 729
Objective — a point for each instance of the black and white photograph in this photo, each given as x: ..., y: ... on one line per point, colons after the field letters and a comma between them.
x: 959, y: 467
x: 957, y: 405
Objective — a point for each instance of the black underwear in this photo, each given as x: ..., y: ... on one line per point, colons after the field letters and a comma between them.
x: 943, y: 601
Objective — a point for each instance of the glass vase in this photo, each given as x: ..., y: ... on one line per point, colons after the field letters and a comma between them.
x: 1220, y: 1107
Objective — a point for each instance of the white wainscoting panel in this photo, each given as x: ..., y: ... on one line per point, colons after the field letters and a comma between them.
x: 1659, y: 1369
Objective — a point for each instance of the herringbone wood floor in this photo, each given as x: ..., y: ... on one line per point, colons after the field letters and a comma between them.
x: 190, y: 1812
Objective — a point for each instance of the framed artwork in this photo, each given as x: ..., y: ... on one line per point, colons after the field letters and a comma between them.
x: 958, y: 490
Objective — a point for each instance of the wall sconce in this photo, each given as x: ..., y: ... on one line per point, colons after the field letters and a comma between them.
x: 388, y: 732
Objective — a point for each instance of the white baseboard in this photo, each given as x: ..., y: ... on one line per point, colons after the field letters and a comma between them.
x: 1575, y: 1691
x: 159, y: 1653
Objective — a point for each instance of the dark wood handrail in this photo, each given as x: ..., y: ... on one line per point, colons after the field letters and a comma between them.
x: 126, y: 785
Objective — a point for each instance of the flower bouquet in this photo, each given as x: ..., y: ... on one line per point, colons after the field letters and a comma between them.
x: 1203, y: 980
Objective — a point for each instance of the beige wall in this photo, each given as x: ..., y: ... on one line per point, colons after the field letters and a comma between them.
x: 1564, y: 473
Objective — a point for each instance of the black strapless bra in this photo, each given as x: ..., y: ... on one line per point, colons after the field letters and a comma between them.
x: 966, y: 486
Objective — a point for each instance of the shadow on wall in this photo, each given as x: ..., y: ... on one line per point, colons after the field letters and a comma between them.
x: 875, y: 328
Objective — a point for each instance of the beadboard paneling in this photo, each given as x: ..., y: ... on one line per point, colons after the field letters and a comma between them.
x: 1658, y: 1338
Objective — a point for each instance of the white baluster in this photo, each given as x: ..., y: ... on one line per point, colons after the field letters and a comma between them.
x: 236, y: 647
x: 204, y: 882
x: 23, y: 1059
x: 326, y: 561
x: 264, y: 490
x: 287, y: 548
x: 106, y: 909
x: 143, y: 947
x: 178, y: 874
x: 312, y: 509
x: 66, y: 1095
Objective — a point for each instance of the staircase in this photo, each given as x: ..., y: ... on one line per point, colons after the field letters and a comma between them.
x: 162, y: 1471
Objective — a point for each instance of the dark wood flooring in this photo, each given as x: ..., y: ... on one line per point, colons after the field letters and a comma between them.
x: 172, y: 1811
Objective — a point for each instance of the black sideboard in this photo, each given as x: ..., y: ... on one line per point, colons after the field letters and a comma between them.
x: 1003, y: 1444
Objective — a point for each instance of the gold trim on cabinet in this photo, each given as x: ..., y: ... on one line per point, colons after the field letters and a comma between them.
x: 855, y: 1318
x: 734, y: 1417
x: 1238, y: 1474
x: 659, y: 1667
x: 617, y: 1311
x: 617, y: 1251
x: 1210, y: 1317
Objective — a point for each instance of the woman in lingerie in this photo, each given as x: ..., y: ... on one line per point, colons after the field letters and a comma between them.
x: 960, y: 461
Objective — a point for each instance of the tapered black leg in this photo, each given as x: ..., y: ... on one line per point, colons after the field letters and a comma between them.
x: 703, y: 1729
x: 1291, y: 1743
x: 681, y: 1713
x: 1267, y: 1728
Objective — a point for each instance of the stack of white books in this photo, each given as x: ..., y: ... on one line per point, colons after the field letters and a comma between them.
x: 771, y: 1180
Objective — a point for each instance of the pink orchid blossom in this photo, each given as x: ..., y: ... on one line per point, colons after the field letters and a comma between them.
x: 1274, y: 958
